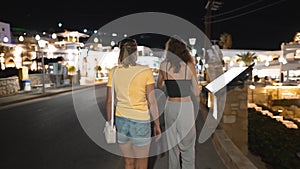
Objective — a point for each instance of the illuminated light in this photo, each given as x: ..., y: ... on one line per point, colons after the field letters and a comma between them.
x: 96, y: 40
x: 231, y: 63
x: 5, y: 39
x: 112, y: 43
x: 53, y: 36
x: 59, y: 24
x: 26, y: 61
x: 18, y: 50
x: 44, y: 33
x: 284, y: 62
x: 42, y: 43
x: 37, y: 37
x: 125, y: 35
x: 95, y: 31
x: 192, y: 41
x: 251, y: 87
x: 85, y: 30
x: 194, y: 52
x: 114, y: 34
x: 267, y: 63
x: 21, y: 38
x: 269, y: 58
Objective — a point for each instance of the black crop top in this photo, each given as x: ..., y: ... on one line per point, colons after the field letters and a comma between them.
x: 179, y: 87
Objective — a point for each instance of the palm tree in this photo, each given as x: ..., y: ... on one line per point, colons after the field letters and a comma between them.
x: 247, y: 57
x: 225, y: 41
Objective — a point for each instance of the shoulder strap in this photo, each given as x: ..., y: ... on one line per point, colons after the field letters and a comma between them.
x: 112, y: 99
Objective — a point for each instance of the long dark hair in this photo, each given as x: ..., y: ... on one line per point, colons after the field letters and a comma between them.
x: 128, y: 52
x: 176, y: 51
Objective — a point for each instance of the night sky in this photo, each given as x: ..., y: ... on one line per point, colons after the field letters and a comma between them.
x: 253, y: 24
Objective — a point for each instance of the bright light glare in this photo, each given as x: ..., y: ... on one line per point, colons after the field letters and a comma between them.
x: 21, y: 38
x: 5, y: 39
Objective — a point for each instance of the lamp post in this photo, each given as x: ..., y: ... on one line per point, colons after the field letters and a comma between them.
x: 42, y: 44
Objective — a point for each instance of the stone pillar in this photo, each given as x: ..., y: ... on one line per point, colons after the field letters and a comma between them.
x: 235, y: 117
x: 9, y: 86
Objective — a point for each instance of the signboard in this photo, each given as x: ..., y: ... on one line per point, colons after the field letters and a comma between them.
x: 224, y: 79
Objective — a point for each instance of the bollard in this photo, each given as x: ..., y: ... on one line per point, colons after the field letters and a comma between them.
x: 27, y: 86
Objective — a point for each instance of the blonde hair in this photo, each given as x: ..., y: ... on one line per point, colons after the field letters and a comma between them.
x: 128, y: 52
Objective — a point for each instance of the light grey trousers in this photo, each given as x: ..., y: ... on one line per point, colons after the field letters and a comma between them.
x: 181, y: 134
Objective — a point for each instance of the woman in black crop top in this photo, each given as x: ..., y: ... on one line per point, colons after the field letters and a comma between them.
x: 178, y: 75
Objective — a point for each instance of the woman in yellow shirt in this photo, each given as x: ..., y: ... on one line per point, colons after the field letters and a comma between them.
x: 134, y: 89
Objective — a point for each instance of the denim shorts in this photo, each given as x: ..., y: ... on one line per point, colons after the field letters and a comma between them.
x: 138, y: 132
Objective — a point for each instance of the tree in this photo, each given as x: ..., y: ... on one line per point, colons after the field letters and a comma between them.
x: 247, y: 57
x: 98, y: 68
x: 71, y: 69
x: 225, y: 41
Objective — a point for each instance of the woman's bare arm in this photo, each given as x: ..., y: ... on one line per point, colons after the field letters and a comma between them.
x: 153, y: 108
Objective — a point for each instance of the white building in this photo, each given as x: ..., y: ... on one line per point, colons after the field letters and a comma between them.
x: 270, y: 63
x: 5, y: 34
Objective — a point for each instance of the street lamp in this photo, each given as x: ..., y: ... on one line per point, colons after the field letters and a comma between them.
x: 192, y: 42
x: 42, y: 44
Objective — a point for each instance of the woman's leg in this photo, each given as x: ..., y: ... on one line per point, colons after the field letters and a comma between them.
x: 187, y: 134
x: 171, y: 114
x: 141, y: 154
x: 127, y: 152
x: 129, y: 163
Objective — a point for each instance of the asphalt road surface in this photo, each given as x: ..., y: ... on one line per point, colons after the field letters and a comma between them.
x: 46, y: 133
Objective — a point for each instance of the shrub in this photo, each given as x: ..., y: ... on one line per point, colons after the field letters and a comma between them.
x: 272, y: 141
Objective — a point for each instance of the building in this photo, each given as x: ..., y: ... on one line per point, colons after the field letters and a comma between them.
x: 5, y: 34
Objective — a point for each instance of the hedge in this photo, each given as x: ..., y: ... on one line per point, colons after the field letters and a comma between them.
x: 276, y: 144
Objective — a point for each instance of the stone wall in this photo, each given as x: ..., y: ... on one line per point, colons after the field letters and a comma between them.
x: 36, y: 79
x: 9, y: 86
x: 235, y: 117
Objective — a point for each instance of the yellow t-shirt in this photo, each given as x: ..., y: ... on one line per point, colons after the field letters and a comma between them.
x: 130, y: 89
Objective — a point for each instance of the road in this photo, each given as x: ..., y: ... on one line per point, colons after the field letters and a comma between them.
x: 48, y: 133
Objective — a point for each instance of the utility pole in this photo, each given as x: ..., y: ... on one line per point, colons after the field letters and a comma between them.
x: 211, y: 5
x: 207, y: 21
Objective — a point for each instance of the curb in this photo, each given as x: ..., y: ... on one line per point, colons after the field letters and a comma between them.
x: 229, y: 153
x: 49, y: 93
